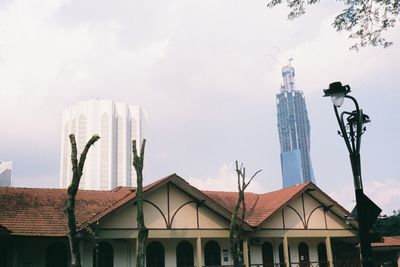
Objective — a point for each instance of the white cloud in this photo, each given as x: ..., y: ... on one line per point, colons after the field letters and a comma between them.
x: 226, y: 180
x: 385, y: 194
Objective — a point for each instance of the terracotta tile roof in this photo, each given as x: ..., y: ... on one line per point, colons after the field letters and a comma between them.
x: 388, y: 241
x: 40, y: 212
x: 260, y: 207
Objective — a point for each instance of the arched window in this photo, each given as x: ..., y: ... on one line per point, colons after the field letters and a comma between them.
x: 3, y: 254
x: 103, y: 255
x: 155, y: 255
x: 184, y: 254
x: 304, y: 255
x: 56, y: 255
x: 281, y: 256
x: 322, y: 256
x: 267, y: 254
x: 212, y: 254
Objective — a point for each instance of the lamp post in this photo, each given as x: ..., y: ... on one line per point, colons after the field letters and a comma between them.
x: 351, y: 126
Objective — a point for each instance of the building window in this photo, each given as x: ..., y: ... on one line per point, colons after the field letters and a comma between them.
x: 184, y: 254
x: 322, y: 256
x: 267, y: 254
x: 304, y: 255
x: 281, y: 256
x: 212, y: 254
x: 56, y: 255
x: 155, y: 255
x: 3, y: 254
x: 103, y: 255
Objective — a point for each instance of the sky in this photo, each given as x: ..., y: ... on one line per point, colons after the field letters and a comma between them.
x: 202, y: 71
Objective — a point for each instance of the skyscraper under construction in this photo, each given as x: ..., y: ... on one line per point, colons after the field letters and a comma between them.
x: 294, y: 132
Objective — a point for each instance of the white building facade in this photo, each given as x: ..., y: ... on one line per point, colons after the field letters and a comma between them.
x: 5, y: 173
x: 109, y: 161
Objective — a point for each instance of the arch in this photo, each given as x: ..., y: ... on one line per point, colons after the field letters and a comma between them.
x: 119, y: 153
x: 212, y: 254
x: 304, y: 255
x: 322, y: 255
x: 56, y: 255
x: 103, y: 255
x: 155, y: 255
x: 104, y: 155
x: 267, y: 254
x: 184, y: 254
x: 177, y: 210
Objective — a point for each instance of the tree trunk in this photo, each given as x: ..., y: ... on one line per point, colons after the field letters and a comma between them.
x: 77, y: 168
x: 236, y: 225
x: 142, y: 230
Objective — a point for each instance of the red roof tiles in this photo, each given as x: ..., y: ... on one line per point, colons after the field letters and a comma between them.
x: 259, y: 206
x: 40, y: 212
x: 388, y: 241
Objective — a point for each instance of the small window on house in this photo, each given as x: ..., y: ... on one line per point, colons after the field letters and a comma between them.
x: 103, y: 255
x: 212, y: 254
x: 56, y: 255
x: 155, y: 256
x: 184, y: 254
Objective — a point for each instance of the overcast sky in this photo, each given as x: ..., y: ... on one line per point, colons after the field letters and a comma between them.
x: 202, y: 71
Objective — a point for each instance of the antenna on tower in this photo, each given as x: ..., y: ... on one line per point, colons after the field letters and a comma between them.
x: 275, y: 59
x: 290, y: 59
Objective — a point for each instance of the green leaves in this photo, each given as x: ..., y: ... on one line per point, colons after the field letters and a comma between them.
x: 365, y: 20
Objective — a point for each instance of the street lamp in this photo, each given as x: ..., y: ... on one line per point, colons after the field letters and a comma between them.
x: 351, y: 128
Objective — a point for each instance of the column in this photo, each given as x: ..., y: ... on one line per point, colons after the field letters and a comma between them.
x: 245, y: 253
x: 329, y: 254
x: 286, y: 251
x: 198, y: 252
x: 398, y: 258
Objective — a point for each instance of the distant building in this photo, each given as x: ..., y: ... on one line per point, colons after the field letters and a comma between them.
x: 294, y: 132
x: 109, y: 161
x: 5, y: 173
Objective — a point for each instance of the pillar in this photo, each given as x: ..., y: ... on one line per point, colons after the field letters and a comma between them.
x: 329, y: 254
x: 198, y: 252
x: 398, y: 258
x: 246, y: 253
x: 286, y: 251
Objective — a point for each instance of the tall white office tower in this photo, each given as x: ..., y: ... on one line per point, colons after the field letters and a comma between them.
x: 5, y: 173
x: 109, y: 161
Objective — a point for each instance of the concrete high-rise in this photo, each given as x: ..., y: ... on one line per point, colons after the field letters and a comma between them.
x: 109, y: 161
x: 294, y: 132
x: 5, y: 173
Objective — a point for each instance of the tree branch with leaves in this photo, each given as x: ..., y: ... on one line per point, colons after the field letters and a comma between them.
x: 77, y: 171
x: 366, y: 20
x: 142, y: 229
x: 237, y: 220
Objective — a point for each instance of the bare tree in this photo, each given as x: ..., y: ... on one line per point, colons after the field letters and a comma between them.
x: 77, y: 169
x: 236, y: 225
x: 366, y: 20
x: 142, y: 230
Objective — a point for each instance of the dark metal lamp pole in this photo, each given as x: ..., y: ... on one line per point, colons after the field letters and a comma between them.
x: 351, y: 128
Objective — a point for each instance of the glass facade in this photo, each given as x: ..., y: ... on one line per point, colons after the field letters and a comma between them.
x: 294, y: 132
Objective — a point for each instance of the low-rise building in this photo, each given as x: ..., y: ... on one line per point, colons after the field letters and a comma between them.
x: 295, y: 226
